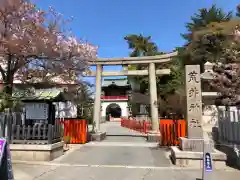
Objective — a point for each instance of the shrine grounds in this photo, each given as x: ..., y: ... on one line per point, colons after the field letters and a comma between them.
x: 124, y: 155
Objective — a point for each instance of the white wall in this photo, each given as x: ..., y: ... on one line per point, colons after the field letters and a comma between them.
x: 123, y: 106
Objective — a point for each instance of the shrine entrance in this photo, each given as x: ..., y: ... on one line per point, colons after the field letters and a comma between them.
x: 113, y: 110
x: 151, y: 72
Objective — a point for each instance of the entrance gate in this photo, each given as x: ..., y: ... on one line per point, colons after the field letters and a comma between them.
x: 152, y: 72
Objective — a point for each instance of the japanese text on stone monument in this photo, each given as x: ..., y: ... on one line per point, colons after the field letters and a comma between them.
x: 194, y: 99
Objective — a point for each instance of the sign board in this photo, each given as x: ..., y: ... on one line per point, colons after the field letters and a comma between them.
x: 208, y: 162
x: 6, y: 170
x: 38, y: 111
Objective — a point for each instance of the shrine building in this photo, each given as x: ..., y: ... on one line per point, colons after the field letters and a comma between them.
x: 114, y: 98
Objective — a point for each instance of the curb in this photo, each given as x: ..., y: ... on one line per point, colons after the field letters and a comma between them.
x: 54, y: 162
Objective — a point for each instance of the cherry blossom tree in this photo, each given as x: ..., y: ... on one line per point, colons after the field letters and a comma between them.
x: 34, y: 44
x: 227, y: 82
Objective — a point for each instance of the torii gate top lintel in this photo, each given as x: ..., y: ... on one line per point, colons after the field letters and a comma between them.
x: 134, y: 60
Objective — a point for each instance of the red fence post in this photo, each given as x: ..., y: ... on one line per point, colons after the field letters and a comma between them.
x: 76, y: 130
x: 171, y: 130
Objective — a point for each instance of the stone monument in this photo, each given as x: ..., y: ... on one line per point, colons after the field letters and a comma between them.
x: 191, y: 147
x: 194, y: 110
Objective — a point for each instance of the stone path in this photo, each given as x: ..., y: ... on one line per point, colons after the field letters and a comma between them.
x: 126, y: 156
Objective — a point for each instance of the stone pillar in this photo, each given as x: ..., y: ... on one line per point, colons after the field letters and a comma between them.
x: 196, y: 135
x: 197, y: 145
x: 97, y: 101
x: 154, y: 135
x: 153, y: 97
x: 194, y: 101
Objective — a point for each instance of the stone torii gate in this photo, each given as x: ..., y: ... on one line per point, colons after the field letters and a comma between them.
x: 151, y: 72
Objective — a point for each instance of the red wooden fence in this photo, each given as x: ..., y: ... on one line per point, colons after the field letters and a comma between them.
x: 76, y: 130
x: 170, y: 129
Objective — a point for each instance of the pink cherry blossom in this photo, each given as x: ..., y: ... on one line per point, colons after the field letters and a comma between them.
x: 28, y: 36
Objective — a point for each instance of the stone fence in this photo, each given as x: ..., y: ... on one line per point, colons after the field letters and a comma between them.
x: 227, y: 135
x: 229, y: 126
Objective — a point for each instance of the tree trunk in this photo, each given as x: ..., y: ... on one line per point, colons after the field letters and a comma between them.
x: 8, y: 83
x: 8, y: 90
x: 8, y: 86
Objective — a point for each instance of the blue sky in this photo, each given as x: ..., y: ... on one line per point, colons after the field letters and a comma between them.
x: 106, y: 22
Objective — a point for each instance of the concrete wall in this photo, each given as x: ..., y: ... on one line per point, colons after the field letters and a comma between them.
x: 123, y: 105
x: 34, y: 152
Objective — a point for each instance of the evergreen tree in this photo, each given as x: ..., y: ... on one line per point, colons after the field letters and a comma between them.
x: 196, y: 51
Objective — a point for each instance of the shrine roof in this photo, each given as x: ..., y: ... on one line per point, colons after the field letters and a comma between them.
x: 117, y: 82
x: 40, y: 94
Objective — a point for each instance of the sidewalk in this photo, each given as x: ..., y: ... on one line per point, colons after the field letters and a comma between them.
x: 77, y: 172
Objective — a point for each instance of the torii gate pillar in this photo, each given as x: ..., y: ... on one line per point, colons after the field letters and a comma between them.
x: 155, y: 134
x: 97, y: 101
x: 98, y: 135
x: 153, y: 97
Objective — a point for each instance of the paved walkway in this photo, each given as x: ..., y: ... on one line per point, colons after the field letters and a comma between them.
x: 122, y: 147
x: 124, y: 155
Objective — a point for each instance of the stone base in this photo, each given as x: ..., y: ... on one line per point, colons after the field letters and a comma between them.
x: 32, y: 152
x: 194, y: 145
x: 98, y: 136
x: 188, y: 158
x: 154, y: 137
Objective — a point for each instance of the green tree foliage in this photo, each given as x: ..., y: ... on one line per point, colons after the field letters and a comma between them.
x: 212, y: 36
x: 166, y: 85
x: 201, y: 50
x: 141, y: 45
x: 218, y: 42
x: 174, y: 82
x: 203, y: 18
x: 225, y: 40
x: 7, y: 101
x: 144, y: 46
x: 83, y: 97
